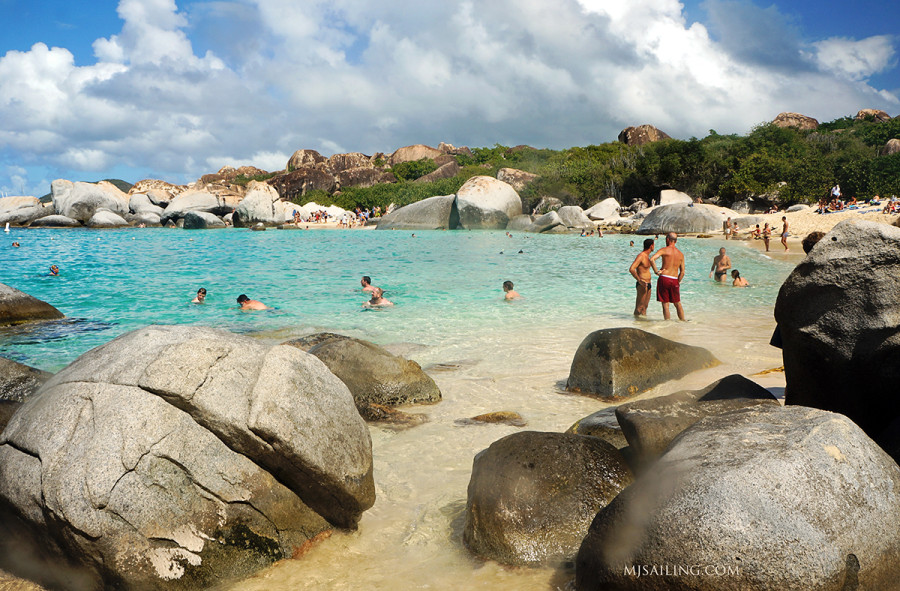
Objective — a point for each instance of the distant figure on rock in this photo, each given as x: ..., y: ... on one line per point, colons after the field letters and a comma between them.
x: 248, y: 304
x: 720, y: 265
x: 640, y: 270
x: 201, y: 296
x: 366, y: 283
x: 670, y: 275
x: 511, y: 294
x: 378, y: 300
x: 738, y: 280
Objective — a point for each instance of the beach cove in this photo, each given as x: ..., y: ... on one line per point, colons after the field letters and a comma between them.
x: 485, y: 354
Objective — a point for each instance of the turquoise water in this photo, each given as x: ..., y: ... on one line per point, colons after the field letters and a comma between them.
x: 446, y: 285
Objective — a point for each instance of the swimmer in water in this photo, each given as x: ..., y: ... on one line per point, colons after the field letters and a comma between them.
x: 511, y: 294
x: 248, y: 304
x: 201, y: 296
x: 54, y: 270
x: 378, y: 300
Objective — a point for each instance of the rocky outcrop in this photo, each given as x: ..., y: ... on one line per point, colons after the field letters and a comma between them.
x: 608, y: 209
x: 628, y: 361
x: 546, y: 205
x: 573, y: 217
x: 517, y: 179
x: 837, y: 315
x: 303, y: 179
x: 602, y: 424
x: 81, y: 201
x: 756, y: 499
x: 201, y: 220
x: 159, y: 192
x: 141, y: 203
x: 104, y: 218
x: 147, y: 218
x: 651, y: 425
x: 18, y: 381
x: 17, y: 306
x: 891, y: 147
x: 303, y: 158
x: 413, y: 153
x: 364, y: 177
x: 486, y: 203
x: 181, y: 457
x: 194, y: 200
x: 520, y: 223
x: 684, y: 218
x: 671, y: 196
x: 433, y: 213
x: 876, y: 115
x: 453, y: 150
x: 227, y: 174
x: 444, y: 171
x: 532, y: 495
x: 261, y: 204
x: 373, y: 375
x: 796, y: 120
x: 340, y: 162
x: 20, y: 211
x: 545, y: 223
x: 55, y: 221
x: 642, y: 134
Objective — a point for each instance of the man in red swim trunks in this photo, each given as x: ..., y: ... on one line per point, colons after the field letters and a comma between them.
x: 670, y: 275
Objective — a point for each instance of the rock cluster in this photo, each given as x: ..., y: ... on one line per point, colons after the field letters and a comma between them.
x: 642, y: 134
x: 17, y: 306
x: 801, y: 122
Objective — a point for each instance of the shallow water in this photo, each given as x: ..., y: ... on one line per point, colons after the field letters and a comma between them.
x: 495, y: 355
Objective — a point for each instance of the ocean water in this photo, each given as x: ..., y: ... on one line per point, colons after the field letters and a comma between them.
x: 484, y: 353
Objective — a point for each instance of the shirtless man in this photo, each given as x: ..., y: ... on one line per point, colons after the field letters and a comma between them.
x: 726, y: 228
x: 377, y: 300
x: 670, y: 275
x: 511, y: 294
x: 366, y: 283
x: 640, y: 270
x: 248, y: 304
x: 784, y: 233
x: 720, y: 266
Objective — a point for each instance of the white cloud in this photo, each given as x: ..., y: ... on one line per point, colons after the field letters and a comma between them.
x: 856, y: 59
x: 258, y: 79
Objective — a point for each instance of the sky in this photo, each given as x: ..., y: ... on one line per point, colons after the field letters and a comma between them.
x: 137, y: 89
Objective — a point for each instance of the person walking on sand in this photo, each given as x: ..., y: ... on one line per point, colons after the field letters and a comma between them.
x: 784, y: 233
x: 640, y: 270
x: 248, y: 304
x: 670, y: 275
x: 720, y: 265
x: 511, y: 294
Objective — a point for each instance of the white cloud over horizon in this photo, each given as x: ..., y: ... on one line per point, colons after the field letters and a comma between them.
x: 274, y: 76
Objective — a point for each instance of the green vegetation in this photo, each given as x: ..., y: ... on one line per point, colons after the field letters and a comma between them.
x: 792, y: 165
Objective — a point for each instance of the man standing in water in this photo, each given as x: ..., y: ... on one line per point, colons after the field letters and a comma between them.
x: 720, y: 266
x: 640, y: 270
x: 670, y: 275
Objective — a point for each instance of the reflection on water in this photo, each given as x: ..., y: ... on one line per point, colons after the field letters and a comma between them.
x: 48, y: 334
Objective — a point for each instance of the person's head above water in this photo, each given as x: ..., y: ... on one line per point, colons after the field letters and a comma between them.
x: 735, y: 273
x: 242, y: 298
x: 366, y: 280
x: 507, y: 286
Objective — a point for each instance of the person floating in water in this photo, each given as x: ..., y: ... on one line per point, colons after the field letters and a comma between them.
x: 366, y: 283
x: 248, y: 304
x: 378, y: 300
x: 54, y: 270
x: 511, y: 294
x: 16, y: 244
x: 738, y: 280
x: 670, y: 275
x: 201, y: 296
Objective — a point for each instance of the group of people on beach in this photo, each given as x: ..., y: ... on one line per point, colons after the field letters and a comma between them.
x: 730, y: 229
x: 671, y: 273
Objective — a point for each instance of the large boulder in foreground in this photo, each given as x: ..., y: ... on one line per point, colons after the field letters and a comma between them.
x: 532, y: 495
x: 608, y: 209
x: 81, y: 201
x: 195, y: 200
x: 375, y: 376
x: 17, y: 306
x: 180, y: 457
x: 651, y: 425
x: 261, y: 204
x: 628, y: 361
x: 433, y: 213
x: 757, y: 499
x: 19, y: 211
x: 486, y: 203
x: 837, y: 314
x: 19, y: 381
x: 684, y: 218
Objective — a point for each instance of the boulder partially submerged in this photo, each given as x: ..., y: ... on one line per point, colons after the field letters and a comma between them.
x: 433, y: 213
x: 182, y: 457
x: 17, y: 306
x: 684, y: 218
x: 486, y: 203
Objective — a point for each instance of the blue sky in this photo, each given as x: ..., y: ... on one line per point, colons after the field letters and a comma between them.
x: 138, y: 89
